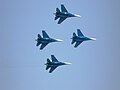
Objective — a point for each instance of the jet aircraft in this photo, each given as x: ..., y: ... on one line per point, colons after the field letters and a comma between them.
x: 63, y: 14
x: 54, y: 64
x: 80, y: 38
x: 45, y: 40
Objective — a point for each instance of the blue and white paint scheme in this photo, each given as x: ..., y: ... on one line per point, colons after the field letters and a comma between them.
x: 45, y: 40
x: 54, y: 64
x: 80, y: 38
x: 63, y: 14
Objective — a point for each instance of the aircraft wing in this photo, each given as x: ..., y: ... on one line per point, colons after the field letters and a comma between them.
x: 78, y: 43
x: 63, y: 9
x: 45, y: 35
x: 52, y: 69
x: 53, y: 58
x: 79, y: 32
x: 43, y: 45
x: 61, y: 20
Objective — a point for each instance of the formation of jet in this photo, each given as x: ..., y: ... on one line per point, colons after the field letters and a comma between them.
x: 54, y: 64
x: 80, y: 38
x: 63, y: 14
x: 45, y: 40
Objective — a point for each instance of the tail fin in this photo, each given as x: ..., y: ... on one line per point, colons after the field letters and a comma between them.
x: 39, y: 36
x: 48, y: 61
x: 57, y: 10
x: 74, y: 35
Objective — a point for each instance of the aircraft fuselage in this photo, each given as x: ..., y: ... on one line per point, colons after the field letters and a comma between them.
x: 81, y: 38
x: 55, y: 64
x: 65, y: 14
x: 46, y: 40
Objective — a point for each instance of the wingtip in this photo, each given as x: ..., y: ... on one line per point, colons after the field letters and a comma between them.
x: 75, y: 46
x: 52, y: 55
x: 43, y: 30
x: 58, y: 23
x: 35, y: 39
x: 41, y: 48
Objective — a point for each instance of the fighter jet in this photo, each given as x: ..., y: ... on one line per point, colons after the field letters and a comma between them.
x: 63, y: 14
x: 54, y: 64
x: 80, y: 38
x: 45, y: 40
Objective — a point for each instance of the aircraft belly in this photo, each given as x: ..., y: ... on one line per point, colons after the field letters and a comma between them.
x: 63, y: 15
x: 45, y: 41
x: 79, y: 39
x: 54, y: 64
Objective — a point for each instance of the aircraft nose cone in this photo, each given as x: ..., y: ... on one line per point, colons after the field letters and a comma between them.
x: 59, y: 40
x: 93, y: 39
x: 78, y: 16
x: 66, y: 63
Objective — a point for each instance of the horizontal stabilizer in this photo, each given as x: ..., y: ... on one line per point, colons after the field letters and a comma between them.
x: 38, y: 43
x: 73, y: 41
x: 56, y: 17
x: 47, y: 67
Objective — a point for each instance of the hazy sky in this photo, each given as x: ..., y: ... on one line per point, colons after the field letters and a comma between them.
x: 95, y: 64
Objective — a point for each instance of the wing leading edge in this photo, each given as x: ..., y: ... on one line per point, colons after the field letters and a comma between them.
x: 45, y: 35
x: 52, y: 69
x: 63, y: 9
x: 78, y: 43
x: 79, y: 32
x: 54, y: 58
x: 61, y: 20
x: 43, y: 45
